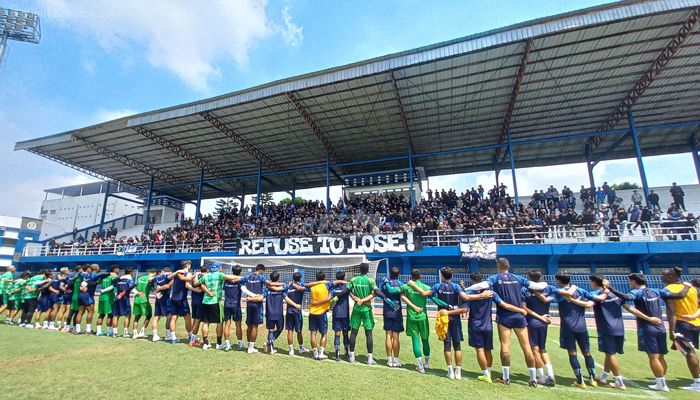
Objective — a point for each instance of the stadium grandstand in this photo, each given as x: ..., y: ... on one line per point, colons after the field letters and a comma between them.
x: 604, y: 83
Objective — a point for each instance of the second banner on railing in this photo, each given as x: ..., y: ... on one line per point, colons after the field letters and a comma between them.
x: 356, y: 244
x: 478, y: 247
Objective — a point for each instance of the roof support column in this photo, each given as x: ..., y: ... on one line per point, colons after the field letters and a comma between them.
x: 328, y: 181
x: 696, y: 158
x: 294, y: 192
x: 104, y: 208
x: 589, y: 168
x: 638, y: 151
x: 199, y: 197
x: 257, y: 198
x: 410, y: 172
x: 147, y: 212
x: 512, y: 168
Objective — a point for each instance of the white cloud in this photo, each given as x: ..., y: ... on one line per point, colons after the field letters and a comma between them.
x: 104, y: 115
x: 292, y: 33
x: 88, y: 66
x: 187, y: 38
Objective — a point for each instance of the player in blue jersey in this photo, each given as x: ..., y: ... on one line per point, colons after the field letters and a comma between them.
x: 294, y: 320
x: 44, y: 302
x: 179, y: 307
x: 538, y: 320
x: 91, y: 277
x: 275, y: 297
x: 607, y: 311
x: 651, y: 332
x: 232, y: 309
x: 68, y: 313
x: 55, y: 297
x: 393, y: 318
x: 197, y: 298
x: 572, y: 312
x: 253, y: 285
x: 122, y: 305
x: 450, y: 293
x: 161, y: 288
x: 341, y: 314
x: 480, y: 327
x: 508, y: 287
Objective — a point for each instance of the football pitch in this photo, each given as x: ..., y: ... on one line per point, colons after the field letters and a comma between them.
x: 36, y: 364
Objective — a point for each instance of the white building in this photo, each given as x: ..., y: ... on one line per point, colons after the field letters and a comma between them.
x: 80, y: 206
x: 14, y: 233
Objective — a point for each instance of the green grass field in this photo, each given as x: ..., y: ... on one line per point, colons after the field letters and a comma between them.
x: 35, y: 364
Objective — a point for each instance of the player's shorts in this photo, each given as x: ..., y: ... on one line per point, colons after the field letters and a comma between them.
x: 55, y: 299
x: 179, y: 307
x: 360, y: 317
x: 568, y: 340
x: 454, y: 331
x: 610, y: 344
x: 196, y: 310
x: 85, y: 302
x: 341, y: 324
x: 233, y: 314
x: 538, y: 336
x: 104, y: 307
x: 294, y: 322
x: 142, y: 309
x: 162, y: 308
x: 67, y: 299
x: 480, y: 339
x: 11, y: 305
x: 318, y: 322
x: 651, y: 342
x: 211, y: 313
x: 274, y: 324
x: 690, y: 333
x: 513, y: 321
x: 44, y: 304
x: 393, y: 324
x: 29, y: 305
x: 3, y: 300
x: 419, y: 329
x: 254, y: 313
x: 121, y: 308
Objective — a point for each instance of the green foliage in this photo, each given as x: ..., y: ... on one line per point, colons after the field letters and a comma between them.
x: 288, y: 200
x: 265, y: 199
x: 224, y: 206
x: 624, y: 186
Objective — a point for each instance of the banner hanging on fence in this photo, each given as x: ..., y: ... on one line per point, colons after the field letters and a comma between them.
x: 356, y: 244
x: 478, y: 247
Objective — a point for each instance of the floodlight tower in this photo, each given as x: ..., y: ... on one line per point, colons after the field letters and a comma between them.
x: 18, y: 25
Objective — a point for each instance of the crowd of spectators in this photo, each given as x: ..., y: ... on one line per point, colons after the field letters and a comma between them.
x: 472, y: 212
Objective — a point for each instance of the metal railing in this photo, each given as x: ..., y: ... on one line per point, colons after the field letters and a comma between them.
x: 626, y: 232
x: 85, y: 249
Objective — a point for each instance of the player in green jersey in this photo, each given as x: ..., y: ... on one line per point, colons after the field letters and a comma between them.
x: 212, y: 283
x: 142, y: 306
x: 29, y: 301
x: 6, y: 280
x: 417, y: 327
x: 106, y: 300
x: 364, y: 288
x: 15, y: 294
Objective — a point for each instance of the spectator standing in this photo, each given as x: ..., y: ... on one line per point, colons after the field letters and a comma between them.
x: 611, y: 196
x: 678, y: 195
x: 654, y: 199
x: 600, y: 195
x: 636, y: 198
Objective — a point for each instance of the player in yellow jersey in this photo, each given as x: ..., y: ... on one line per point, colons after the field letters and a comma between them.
x: 684, y: 331
x: 318, y: 318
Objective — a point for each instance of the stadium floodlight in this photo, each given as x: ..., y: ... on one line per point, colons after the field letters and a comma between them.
x: 18, y: 25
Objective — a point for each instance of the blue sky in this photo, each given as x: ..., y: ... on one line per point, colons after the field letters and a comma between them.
x: 99, y: 60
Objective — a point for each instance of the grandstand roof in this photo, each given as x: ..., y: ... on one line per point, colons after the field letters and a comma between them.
x: 566, y: 76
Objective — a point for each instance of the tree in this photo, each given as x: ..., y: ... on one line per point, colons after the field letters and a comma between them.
x: 624, y: 186
x: 297, y: 200
x: 224, y: 206
x: 265, y: 199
